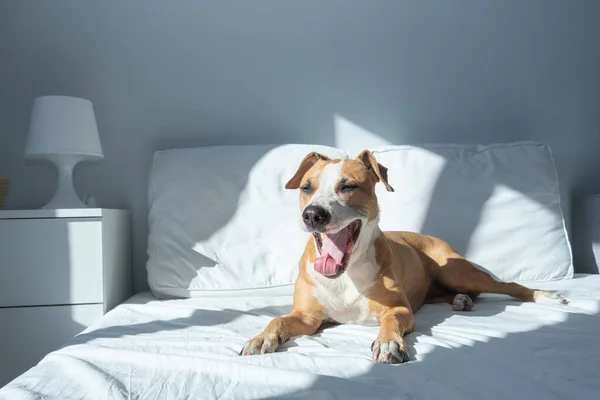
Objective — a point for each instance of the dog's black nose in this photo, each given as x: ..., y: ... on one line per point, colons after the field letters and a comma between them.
x: 316, y: 217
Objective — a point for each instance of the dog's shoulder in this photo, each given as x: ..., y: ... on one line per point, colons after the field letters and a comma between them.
x: 413, y: 239
x: 422, y: 243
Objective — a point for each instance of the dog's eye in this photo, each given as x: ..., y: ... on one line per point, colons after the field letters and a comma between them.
x: 345, y: 188
x: 306, y: 189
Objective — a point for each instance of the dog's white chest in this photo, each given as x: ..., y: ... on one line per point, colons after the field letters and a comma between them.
x: 343, y: 297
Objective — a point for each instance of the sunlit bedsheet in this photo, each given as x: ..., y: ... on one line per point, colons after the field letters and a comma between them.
x: 188, y: 349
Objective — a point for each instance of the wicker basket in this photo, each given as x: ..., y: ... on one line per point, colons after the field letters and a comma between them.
x: 4, y: 184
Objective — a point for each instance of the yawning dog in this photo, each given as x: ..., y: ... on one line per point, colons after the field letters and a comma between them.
x: 352, y: 272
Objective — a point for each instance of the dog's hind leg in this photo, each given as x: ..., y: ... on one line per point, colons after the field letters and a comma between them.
x: 461, y: 276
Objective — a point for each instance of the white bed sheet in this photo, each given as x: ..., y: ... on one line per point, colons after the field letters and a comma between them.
x: 188, y: 349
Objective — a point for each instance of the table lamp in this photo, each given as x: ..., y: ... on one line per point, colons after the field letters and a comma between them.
x: 63, y: 131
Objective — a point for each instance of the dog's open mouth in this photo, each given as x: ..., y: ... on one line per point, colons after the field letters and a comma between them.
x: 335, y: 249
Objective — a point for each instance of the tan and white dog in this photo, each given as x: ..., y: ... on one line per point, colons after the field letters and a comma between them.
x: 352, y: 272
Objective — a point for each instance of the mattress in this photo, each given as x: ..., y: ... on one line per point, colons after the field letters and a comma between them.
x: 188, y: 349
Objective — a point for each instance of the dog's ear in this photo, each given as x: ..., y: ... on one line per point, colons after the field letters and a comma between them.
x: 380, y: 172
x: 305, y: 165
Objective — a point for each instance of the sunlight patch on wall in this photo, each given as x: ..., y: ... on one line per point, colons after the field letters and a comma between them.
x: 354, y: 138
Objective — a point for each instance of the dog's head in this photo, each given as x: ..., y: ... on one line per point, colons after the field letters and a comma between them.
x: 338, y: 196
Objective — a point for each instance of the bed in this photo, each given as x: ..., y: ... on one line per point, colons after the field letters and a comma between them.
x: 188, y: 348
x: 217, y: 275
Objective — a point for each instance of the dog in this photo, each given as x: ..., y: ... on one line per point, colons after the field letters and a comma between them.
x: 352, y: 272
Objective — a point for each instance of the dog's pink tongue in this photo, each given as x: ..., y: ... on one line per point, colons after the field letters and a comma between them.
x: 332, y: 253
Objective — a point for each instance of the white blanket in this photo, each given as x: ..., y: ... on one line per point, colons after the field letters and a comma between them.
x: 188, y: 349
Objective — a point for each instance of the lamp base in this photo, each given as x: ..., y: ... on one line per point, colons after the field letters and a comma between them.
x: 65, y: 195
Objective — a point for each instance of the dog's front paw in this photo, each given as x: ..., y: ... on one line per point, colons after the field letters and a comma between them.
x: 390, y: 351
x: 543, y: 296
x: 261, y: 344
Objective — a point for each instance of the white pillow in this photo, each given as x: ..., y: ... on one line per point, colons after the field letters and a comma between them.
x: 221, y: 220
x: 498, y: 205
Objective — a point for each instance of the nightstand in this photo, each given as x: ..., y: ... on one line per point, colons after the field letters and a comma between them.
x: 60, y: 270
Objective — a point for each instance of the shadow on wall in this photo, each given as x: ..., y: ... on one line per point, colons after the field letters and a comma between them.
x: 586, y: 233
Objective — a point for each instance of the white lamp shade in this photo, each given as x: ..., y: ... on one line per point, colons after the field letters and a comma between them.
x: 62, y: 125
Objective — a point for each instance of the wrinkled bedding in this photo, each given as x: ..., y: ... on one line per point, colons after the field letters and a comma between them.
x: 188, y: 349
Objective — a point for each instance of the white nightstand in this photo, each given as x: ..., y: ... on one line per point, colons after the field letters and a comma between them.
x: 60, y: 270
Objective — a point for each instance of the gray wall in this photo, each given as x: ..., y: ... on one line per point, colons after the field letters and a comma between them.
x: 191, y: 73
